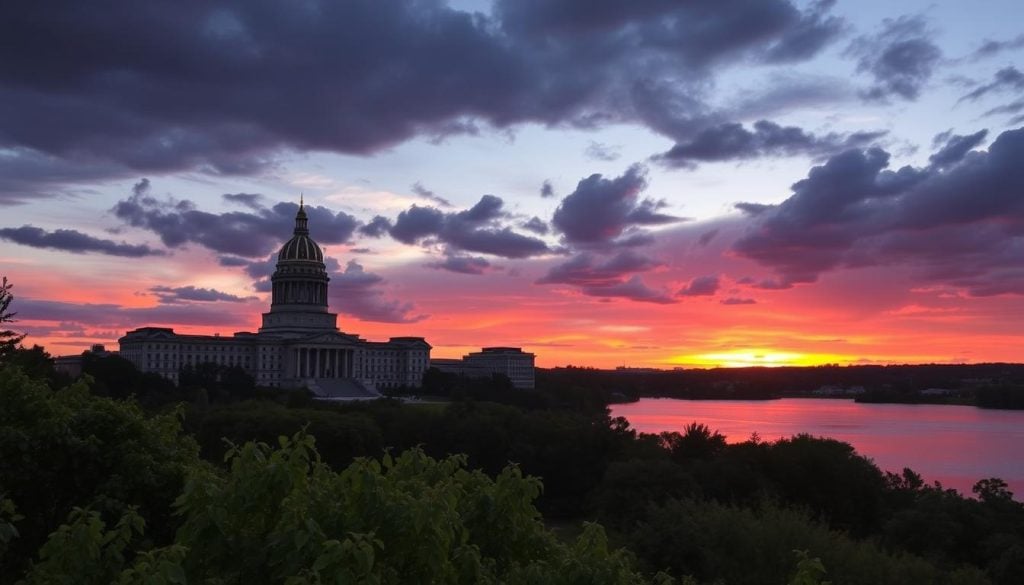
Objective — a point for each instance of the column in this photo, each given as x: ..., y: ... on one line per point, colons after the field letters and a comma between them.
x: 337, y: 363
x: 295, y: 357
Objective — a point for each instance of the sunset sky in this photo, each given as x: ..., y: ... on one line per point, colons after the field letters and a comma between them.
x: 650, y: 183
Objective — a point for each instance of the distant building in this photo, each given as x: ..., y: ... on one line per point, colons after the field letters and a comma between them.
x: 512, y: 362
x: 299, y: 343
x: 72, y: 364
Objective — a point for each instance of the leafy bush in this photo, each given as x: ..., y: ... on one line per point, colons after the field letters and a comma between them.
x: 283, y: 516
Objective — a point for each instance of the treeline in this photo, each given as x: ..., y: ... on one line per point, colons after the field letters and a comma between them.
x: 192, y: 491
x: 898, y: 383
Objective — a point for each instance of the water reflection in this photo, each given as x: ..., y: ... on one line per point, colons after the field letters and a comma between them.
x: 956, y: 445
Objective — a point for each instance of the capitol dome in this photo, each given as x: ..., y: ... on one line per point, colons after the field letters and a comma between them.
x: 301, y: 246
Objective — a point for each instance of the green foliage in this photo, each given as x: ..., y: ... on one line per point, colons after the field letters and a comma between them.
x: 8, y: 516
x: 697, y: 441
x: 8, y: 338
x: 36, y: 363
x: 282, y: 516
x: 68, y: 448
x: 745, y: 547
x: 809, y: 571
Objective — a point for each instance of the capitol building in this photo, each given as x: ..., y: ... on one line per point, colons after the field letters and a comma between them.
x: 299, y: 343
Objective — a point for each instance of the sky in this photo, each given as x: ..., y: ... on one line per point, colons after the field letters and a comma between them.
x: 649, y: 183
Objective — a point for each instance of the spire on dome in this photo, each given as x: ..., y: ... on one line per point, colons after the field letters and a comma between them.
x: 301, y: 221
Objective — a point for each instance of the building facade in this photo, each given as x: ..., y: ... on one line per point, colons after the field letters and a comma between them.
x: 299, y: 343
x: 512, y: 362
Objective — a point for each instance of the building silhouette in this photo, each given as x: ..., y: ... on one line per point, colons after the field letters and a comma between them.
x: 299, y: 343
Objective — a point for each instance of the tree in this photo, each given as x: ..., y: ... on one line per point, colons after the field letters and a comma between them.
x: 283, y: 516
x: 8, y: 338
x: 67, y: 448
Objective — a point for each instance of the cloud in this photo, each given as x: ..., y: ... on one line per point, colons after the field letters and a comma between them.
x: 416, y: 223
x: 585, y: 269
x: 75, y: 242
x: 473, y: 230
x: 1008, y: 78
x: 377, y: 227
x: 209, y: 89
x: 602, y: 152
x: 990, y: 48
x: 702, y: 286
x: 358, y: 293
x: 614, y: 277
x: 239, y: 233
x: 959, y: 223
x: 815, y: 30
x: 250, y: 200
x: 232, y: 261
x: 707, y: 236
x: 546, y: 190
x: 121, y: 317
x: 731, y: 141
x: 738, y: 301
x: 601, y: 209
x: 536, y: 225
x: 171, y: 295
x: 463, y: 264
x: 901, y: 58
x: 633, y: 289
x: 956, y: 148
x: 429, y: 195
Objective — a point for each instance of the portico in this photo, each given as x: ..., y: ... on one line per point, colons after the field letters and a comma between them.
x: 323, y: 362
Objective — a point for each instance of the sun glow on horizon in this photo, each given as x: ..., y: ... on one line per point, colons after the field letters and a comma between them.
x: 745, y: 358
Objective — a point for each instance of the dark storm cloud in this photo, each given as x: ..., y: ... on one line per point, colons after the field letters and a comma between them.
x: 901, y: 58
x: 473, y: 230
x: 358, y: 293
x: 731, y: 141
x: 238, y: 233
x: 959, y: 223
x: 956, y: 147
x: 377, y: 227
x: 463, y: 264
x: 429, y: 195
x: 74, y: 241
x: 161, y: 87
x: 1007, y: 78
x: 171, y: 295
x: 702, y: 286
x: 601, y: 209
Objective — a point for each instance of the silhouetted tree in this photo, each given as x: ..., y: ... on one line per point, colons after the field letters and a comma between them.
x: 9, y: 339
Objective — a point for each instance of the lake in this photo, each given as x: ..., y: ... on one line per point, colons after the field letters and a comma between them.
x: 956, y: 445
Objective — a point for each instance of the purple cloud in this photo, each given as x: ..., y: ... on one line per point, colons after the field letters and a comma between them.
x: 74, y: 241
